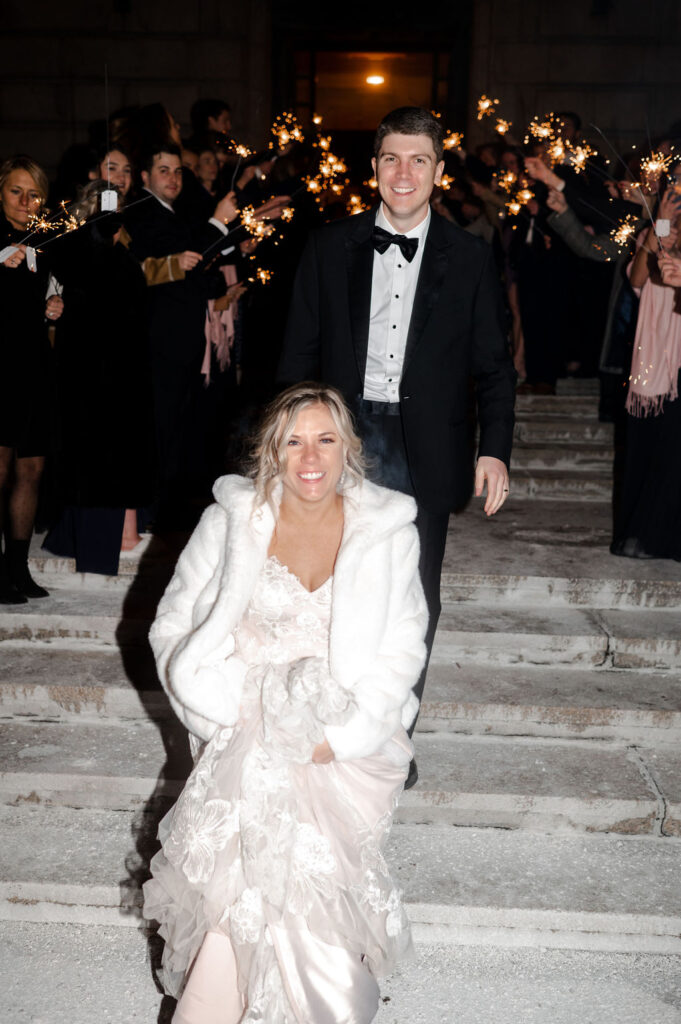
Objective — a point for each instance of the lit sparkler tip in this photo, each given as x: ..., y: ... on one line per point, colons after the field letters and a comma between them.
x: 453, y: 140
x: 317, y: 119
x: 503, y: 126
x: 486, y: 106
x: 287, y: 213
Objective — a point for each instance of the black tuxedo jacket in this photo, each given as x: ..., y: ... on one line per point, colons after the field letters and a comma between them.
x: 177, y: 310
x: 457, y: 331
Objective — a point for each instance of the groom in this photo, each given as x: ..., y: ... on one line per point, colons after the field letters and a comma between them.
x: 399, y: 309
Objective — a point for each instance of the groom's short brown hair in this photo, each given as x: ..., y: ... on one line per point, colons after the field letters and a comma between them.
x: 411, y: 121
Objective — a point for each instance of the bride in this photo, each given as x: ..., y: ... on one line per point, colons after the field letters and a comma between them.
x: 288, y: 641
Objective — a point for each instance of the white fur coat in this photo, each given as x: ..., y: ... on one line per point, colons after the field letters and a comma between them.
x: 378, y: 614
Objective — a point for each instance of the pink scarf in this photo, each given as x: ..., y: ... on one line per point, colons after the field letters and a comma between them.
x: 656, y: 360
x: 219, y: 328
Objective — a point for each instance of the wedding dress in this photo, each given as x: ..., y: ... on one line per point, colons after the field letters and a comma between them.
x: 271, y: 872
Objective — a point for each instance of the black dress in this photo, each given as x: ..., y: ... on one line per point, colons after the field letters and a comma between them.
x: 648, y: 519
x: 25, y: 354
x: 106, y: 453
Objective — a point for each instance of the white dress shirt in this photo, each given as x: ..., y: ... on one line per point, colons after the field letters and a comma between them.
x: 393, y: 287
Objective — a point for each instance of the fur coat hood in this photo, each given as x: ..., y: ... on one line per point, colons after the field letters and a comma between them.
x: 378, y: 613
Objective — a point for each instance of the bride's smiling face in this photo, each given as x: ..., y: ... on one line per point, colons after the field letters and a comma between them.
x: 314, y: 456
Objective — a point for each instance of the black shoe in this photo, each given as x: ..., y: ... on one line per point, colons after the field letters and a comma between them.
x: 17, y: 570
x: 413, y: 776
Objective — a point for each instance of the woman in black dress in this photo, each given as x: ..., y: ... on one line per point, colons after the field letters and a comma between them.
x: 105, y: 458
x: 25, y: 372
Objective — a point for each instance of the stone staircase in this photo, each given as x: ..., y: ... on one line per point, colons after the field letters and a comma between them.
x: 540, y: 854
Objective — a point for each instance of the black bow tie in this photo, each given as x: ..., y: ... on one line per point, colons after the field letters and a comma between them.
x: 382, y: 240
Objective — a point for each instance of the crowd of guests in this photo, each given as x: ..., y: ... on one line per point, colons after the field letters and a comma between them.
x: 134, y: 345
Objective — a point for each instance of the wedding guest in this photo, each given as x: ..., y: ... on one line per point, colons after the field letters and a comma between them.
x: 176, y: 300
x: 105, y: 465
x: 25, y: 371
x: 647, y: 522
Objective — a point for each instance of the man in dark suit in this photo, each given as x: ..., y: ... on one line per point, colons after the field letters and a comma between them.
x: 170, y: 248
x: 398, y: 308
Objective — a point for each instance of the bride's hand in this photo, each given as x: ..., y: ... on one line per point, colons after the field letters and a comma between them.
x: 323, y: 754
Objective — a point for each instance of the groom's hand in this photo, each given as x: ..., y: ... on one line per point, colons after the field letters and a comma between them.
x: 494, y: 472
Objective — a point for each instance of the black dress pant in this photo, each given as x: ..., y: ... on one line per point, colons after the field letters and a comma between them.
x: 380, y: 427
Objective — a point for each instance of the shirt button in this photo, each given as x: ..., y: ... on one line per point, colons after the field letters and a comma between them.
x: 397, y: 296
x: 394, y: 327
x: 390, y: 380
x: 392, y: 356
x: 399, y: 266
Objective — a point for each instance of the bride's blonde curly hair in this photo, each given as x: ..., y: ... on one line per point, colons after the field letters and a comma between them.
x: 269, y: 453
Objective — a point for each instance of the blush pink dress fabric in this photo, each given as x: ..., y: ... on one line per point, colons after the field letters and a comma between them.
x: 272, y: 892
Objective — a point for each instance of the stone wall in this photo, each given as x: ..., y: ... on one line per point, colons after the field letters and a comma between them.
x: 616, y: 62
x: 52, y: 59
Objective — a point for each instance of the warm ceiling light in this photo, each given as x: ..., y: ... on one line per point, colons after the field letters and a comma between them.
x: 375, y: 79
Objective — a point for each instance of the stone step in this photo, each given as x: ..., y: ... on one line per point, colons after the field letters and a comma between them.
x: 508, y: 782
x: 107, y: 685
x: 564, y: 430
x: 105, y: 617
x: 502, y: 635
x: 563, y: 591
x: 564, y: 406
x: 576, y: 459
x: 462, y: 885
x: 577, y: 386
x: 553, y: 701
x: 82, y: 970
x: 475, y: 633
x: 561, y: 484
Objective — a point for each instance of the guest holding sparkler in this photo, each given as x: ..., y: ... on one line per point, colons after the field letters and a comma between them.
x: 25, y: 371
x: 105, y: 467
x: 647, y: 522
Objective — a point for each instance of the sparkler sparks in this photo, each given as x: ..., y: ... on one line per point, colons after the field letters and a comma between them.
x: 355, y: 205
x: 546, y: 130
x: 317, y: 119
x: 486, y: 106
x: 653, y: 166
x: 446, y: 182
x: 579, y: 155
x: 507, y: 180
x: 503, y: 126
x: 287, y: 213
x: 286, y: 129
x: 453, y: 140
x: 513, y: 207
x: 625, y: 231
x: 243, y: 151
x: 258, y: 228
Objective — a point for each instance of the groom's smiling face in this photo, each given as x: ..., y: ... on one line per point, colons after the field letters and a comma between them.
x: 406, y: 170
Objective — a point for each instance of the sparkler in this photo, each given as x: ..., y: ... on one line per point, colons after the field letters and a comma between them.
x: 578, y: 156
x: 262, y: 275
x: 287, y: 213
x: 317, y: 119
x: 507, y: 180
x: 453, y: 140
x: 546, y: 130
x: 486, y: 106
x: 446, y: 182
x: 286, y: 129
x: 355, y: 205
x: 625, y: 231
x: 503, y: 126
x: 256, y: 227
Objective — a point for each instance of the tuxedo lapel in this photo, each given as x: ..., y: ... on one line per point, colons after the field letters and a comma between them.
x: 431, y: 277
x: 359, y: 257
